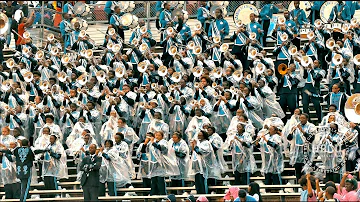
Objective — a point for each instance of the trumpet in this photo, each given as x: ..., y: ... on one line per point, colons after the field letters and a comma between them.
x: 194, y: 102
x: 172, y: 50
x: 197, y: 85
x: 198, y: 27
x: 176, y: 77
x: 197, y: 71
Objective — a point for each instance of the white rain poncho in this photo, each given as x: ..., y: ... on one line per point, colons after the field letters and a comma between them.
x: 270, y: 106
x: 326, y: 148
x: 107, y: 129
x: 232, y: 130
x: 162, y: 162
x: 116, y: 168
x: 80, y: 143
x: 8, y: 169
x: 181, y: 150
x: 242, y: 153
x: 145, y: 122
x: 294, y: 120
x: 130, y: 136
x: 123, y: 151
x: 196, y: 124
x: 217, y: 145
x: 272, y: 157
x: 55, y: 167
x: 144, y: 162
x: 298, y: 142
x: 222, y: 117
x: 159, y: 125
x: 78, y: 129
x: 252, y: 114
x: 204, y: 163
x: 177, y: 119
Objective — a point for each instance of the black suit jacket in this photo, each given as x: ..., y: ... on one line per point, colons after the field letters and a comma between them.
x: 90, y: 176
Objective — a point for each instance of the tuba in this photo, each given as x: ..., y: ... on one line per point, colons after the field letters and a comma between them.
x: 101, y: 76
x: 282, y: 69
x: 337, y: 59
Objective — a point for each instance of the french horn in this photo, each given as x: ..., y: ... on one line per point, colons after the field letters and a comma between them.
x: 44, y: 85
x: 10, y: 63
x: 318, y: 23
x: 252, y: 52
x: 310, y: 35
x: 170, y: 31
x: 260, y: 68
x: 39, y: 55
x: 330, y: 43
x: 252, y: 36
x: 172, y: 50
x: 26, y: 35
x: 6, y: 85
x: 292, y: 50
x: 65, y: 59
x: 216, y: 39
x: 217, y: 73
x: 115, y: 48
x: 88, y: 53
x: 82, y: 34
x: 191, y: 45
x: 50, y: 37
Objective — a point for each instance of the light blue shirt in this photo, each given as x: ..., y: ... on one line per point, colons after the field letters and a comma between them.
x: 267, y: 11
x: 345, y: 14
x: 300, y: 15
x: 221, y: 24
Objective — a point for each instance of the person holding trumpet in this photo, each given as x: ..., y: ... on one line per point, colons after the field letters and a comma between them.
x: 255, y: 27
x: 241, y: 40
x: 203, y: 15
x: 142, y: 37
x: 282, y: 49
x: 219, y: 27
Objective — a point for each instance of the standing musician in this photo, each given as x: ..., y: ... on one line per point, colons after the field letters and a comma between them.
x: 255, y: 27
x: 266, y: 15
x: 203, y: 15
x: 145, y: 37
x: 65, y: 31
x: 353, y: 6
x: 291, y: 26
x: 315, y: 11
x: 115, y: 22
x: 108, y: 9
x: 311, y: 91
x: 281, y: 51
x: 340, y: 13
x: 218, y: 27
x: 69, y: 8
x: 23, y: 24
x: 298, y: 15
x: 241, y: 40
x: 165, y: 17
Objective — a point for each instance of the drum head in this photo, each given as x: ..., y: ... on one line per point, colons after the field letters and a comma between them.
x: 135, y: 22
x: 126, y: 19
x: 303, y: 5
x: 243, y: 13
x: 123, y: 5
x: 79, y: 7
x: 173, y: 4
x: 326, y: 9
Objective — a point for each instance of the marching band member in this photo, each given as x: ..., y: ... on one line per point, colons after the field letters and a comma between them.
x: 298, y: 15
x: 353, y: 6
x: 165, y: 17
x: 219, y: 27
x: 268, y: 98
x: 162, y: 163
x: 217, y: 145
x: 337, y: 98
x: 195, y: 125
x: 204, y: 106
x: 203, y: 164
x: 315, y: 11
x: 252, y: 107
x: 281, y: 51
x: 145, y: 37
x: 157, y: 124
x: 54, y: 163
x: 266, y: 15
x: 181, y: 149
x: 203, y: 15
x: 116, y: 23
x: 223, y: 109
x: 243, y: 161
x: 123, y: 150
x: 311, y: 90
x: 66, y: 32
x: 8, y: 173
x: 130, y: 136
x: 255, y: 27
x: 301, y: 133
x: 340, y: 13
x: 178, y: 116
x: 271, y: 155
x: 117, y: 175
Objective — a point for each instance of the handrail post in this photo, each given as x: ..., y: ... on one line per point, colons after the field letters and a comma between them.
x: 42, y: 22
x: 148, y: 15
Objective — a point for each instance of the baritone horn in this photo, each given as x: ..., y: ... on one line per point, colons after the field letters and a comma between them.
x: 282, y: 69
x: 28, y: 77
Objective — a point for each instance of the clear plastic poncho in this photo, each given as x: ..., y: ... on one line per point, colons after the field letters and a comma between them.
x: 52, y: 166
x: 270, y: 105
x: 217, y: 142
x: 182, y: 162
x: 272, y: 159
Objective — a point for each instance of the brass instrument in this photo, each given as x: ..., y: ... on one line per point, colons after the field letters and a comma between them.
x: 101, y: 76
x: 142, y: 66
x: 115, y: 48
x: 82, y: 79
x: 28, y: 76
x: 6, y: 85
x: 217, y: 73
x: 337, y: 59
x: 176, y: 77
x: 172, y: 50
x: 4, y: 23
x: 282, y: 69
x: 62, y: 76
x: 191, y: 45
x: 39, y: 55
x: 292, y: 50
x: 352, y: 108
x: 194, y: 102
x: 306, y: 61
x: 162, y: 71
x: 197, y: 71
x: 197, y: 50
x: 119, y: 72
x: 197, y: 85
x: 88, y: 53
x: 357, y: 59
x: 237, y: 75
x: 10, y: 63
x: 224, y: 47
x: 318, y: 23
x: 44, y: 85
x: 252, y: 52
x: 310, y: 35
x: 330, y: 43
x: 260, y: 68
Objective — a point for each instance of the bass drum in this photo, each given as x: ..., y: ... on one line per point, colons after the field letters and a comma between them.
x: 243, y: 13
x: 326, y: 9
x: 303, y: 5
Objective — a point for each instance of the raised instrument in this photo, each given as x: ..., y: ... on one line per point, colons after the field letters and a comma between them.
x: 306, y: 61
x: 282, y: 69
x: 125, y: 6
x: 197, y: 71
x: 129, y: 20
x: 237, y: 75
x: 10, y: 63
x: 352, y: 108
x: 260, y: 68
x: 142, y: 66
x: 162, y: 71
x: 62, y: 76
x: 242, y: 13
x: 197, y: 50
x: 101, y: 76
x: 82, y: 79
x: 176, y: 77
x: 330, y: 43
x: 217, y: 72
x: 252, y: 52
x: 292, y: 50
x: 357, y: 59
x: 83, y: 24
x: 172, y: 50
x: 120, y: 72
x: 310, y: 35
x: 337, y: 59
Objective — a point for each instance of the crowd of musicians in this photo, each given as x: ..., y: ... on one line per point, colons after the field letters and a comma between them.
x: 180, y: 111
